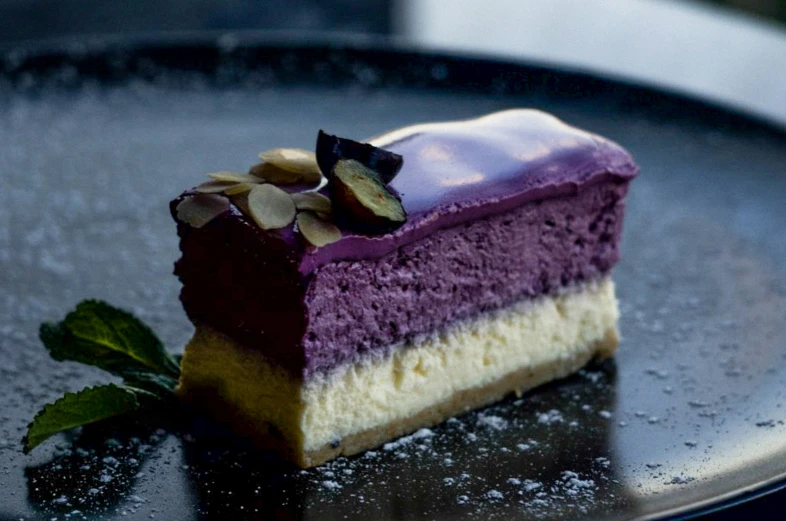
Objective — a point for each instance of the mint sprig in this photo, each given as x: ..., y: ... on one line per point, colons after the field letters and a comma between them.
x: 111, y: 339
x: 89, y: 405
x: 98, y: 334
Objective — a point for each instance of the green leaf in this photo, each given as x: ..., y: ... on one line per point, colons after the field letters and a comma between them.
x: 75, y: 409
x: 98, y: 334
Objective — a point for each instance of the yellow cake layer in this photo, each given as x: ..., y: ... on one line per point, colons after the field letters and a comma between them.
x: 362, y: 405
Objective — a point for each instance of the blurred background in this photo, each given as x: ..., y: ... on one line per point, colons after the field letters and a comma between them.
x: 730, y: 51
x: 32, y: 19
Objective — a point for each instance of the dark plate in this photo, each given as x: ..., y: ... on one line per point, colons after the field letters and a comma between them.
x: 95, y: 143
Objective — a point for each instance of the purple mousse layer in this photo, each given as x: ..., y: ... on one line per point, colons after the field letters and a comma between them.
x: 459, y: 273
x: 505, y: 207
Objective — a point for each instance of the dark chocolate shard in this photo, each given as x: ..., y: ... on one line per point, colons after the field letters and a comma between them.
x: 332, y: 148
x: 359, y: 196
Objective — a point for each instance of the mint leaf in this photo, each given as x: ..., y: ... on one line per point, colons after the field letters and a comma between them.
x: 75, y: 409
x: 98, y: 334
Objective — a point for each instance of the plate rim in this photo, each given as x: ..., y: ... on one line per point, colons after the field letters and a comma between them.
x: 43, y: 54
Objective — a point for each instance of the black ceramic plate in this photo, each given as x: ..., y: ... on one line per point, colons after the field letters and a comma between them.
x: 95, y: 143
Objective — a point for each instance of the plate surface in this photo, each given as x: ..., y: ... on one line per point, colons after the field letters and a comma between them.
x: 94, y: 145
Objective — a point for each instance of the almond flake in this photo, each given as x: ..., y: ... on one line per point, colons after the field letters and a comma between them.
x: 271, y: 207
x: 317, y: 231
x: 213, y: 187
x: 234, y: 177
x: 312, y: 201
x: 277, y: 175
x: 200, y: 209
x: 294, y: 160
x: 241, y: 201
x: 239, y: 188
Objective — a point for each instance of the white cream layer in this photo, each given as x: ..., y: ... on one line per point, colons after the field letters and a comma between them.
x: 382, y: 390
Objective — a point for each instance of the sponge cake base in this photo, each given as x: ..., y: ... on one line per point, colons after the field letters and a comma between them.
x: 419, y: 384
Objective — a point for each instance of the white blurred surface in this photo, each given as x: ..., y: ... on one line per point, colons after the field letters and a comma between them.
x: 716, y: 54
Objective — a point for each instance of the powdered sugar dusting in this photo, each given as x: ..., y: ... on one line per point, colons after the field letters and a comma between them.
x: 550, y: 417
x: 491, y: 421
x: 421, y: 434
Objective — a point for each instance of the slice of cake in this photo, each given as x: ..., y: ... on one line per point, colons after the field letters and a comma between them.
x: 493, y: 277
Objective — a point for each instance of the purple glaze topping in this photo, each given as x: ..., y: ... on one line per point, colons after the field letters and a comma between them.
x: 457, y: 172
x: 508, y: 206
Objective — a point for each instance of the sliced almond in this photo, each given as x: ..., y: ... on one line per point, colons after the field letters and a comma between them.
x: 318, y: 232
x: 313, y: 201
x: 277, y: 175
x: 234, y: 177
x: 273, y: 174
x: 213, y: 187
x: 294, y: 160
x: 241, y: 201
x: 271, y: 207
x: 198, y: 210
x: 239, y: 188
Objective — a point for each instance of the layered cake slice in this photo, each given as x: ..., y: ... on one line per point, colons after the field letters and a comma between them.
x: 332, y: 320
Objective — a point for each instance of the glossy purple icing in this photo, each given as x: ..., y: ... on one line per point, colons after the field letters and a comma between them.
x: 457, y: 172
x: 505, y: 207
